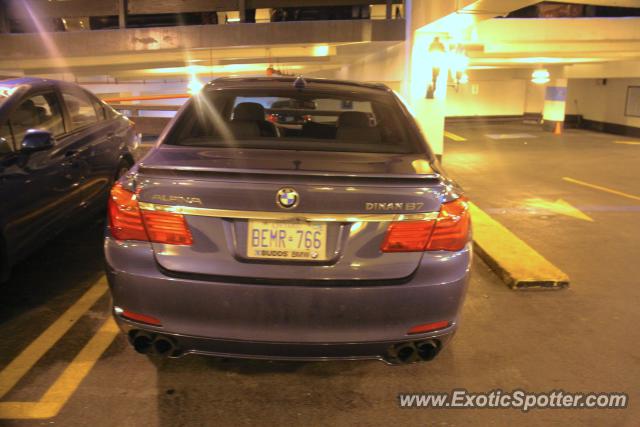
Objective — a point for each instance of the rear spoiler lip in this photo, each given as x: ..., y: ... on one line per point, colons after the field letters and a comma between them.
x: 290, y: 216
x: 189, y: 170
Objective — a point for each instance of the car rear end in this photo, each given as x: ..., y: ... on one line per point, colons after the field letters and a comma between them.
x: 342, y: 239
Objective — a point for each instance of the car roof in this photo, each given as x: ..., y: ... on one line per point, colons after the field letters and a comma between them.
x: 285, y: 82
x: 31, y: 81
x: 35, y: 83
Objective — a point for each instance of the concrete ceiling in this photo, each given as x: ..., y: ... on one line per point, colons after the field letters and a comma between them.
x: 586, y: 46
x: 530, y: 43
x: 294, y: 59
x: 173, y: 52
x: 615, y: 3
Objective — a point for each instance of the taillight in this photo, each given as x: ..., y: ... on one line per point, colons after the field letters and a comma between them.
x: 128, y: 222
x: 407, y: 236
x: 165, y: 227
x: 124, y: 215
x: 449, y: 232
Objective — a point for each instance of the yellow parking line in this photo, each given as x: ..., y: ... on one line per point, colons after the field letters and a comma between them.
x: 19, y: 366
x: 517, y: 263
x: 453, y: 136
x: 601, y: 188
x: 67, y: 383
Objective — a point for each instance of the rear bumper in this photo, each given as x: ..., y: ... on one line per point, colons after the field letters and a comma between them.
x: 294, y: 351
x: 286, y: 321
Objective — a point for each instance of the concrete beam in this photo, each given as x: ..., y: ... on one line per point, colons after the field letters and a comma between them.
x: 554, y: 30
x: 463, y: 16
x: 173, y: 6
x: 20, y: 9
x: 607, y: 70
x: 140, y: 7
x: 529, y: 42
x: 19, y: 47
x: 307, y: 3
x: 121, y: 63
x: 614, y: 3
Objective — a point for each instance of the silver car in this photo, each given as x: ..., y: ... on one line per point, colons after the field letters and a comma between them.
x: 334, y: 234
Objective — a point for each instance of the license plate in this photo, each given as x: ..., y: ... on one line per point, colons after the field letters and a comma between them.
x: 299, y: 241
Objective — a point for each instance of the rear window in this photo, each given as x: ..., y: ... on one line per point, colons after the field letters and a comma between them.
x: 293, y: 120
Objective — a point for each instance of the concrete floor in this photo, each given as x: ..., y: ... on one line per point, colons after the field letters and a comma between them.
x: 581, y: 339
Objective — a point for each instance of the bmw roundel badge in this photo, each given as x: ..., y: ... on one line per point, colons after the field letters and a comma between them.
x: 287, y: 198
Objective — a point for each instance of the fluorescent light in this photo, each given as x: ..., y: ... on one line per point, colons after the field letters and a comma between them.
x: 194, y: 85
x: 540, y: 76
x: 215, y: 69
x: 321, y: 50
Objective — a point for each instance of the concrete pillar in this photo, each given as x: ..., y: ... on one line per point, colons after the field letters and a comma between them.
x: 428, y: 90
x: 122, y: 13
x: 242, y: 6
x: 425, y: 85
x: 389, y: 11
x: 554, y: 105
x: 4, y: 19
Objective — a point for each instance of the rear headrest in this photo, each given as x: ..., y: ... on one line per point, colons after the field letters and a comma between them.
x: 27, y: 105
x: 356, y: 119
x: 72, y: 105
x: 249, y: 111
x: 26, y: 114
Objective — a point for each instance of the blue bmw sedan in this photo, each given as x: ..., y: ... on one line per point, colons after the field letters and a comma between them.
x: 289, y: 219
x: 61, y: 149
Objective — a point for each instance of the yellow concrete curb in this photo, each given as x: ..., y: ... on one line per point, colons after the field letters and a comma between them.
x: 517, y: 264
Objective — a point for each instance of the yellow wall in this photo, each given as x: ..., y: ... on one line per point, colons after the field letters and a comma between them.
x: 493, y: 98
x: 603, y: 103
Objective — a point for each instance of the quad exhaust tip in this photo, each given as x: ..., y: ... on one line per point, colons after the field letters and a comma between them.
x: 413, y: 351
x: 398, y: 354
x: 153, y: 344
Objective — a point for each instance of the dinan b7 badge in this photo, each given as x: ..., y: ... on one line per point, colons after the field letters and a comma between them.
x: 393, y: 206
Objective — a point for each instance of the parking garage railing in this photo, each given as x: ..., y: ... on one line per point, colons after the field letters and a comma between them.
x: 149, y: 120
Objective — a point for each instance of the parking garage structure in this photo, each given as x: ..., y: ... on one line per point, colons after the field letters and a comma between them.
x: 532, y: 107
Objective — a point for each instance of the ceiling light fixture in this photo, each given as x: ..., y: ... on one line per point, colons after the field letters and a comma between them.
x: 540, y: 76
x: 321, y: 50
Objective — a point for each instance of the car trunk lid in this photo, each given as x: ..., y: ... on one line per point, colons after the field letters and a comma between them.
x: 225, y: 194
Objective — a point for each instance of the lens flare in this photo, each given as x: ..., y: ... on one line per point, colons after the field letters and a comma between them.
x: 47, y: 41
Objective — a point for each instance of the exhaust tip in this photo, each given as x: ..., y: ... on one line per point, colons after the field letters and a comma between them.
x: 163, y: 346
x: 405, y: 352
x: 428, y: 349
x: 141, y: 341
x: 413, y: 351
